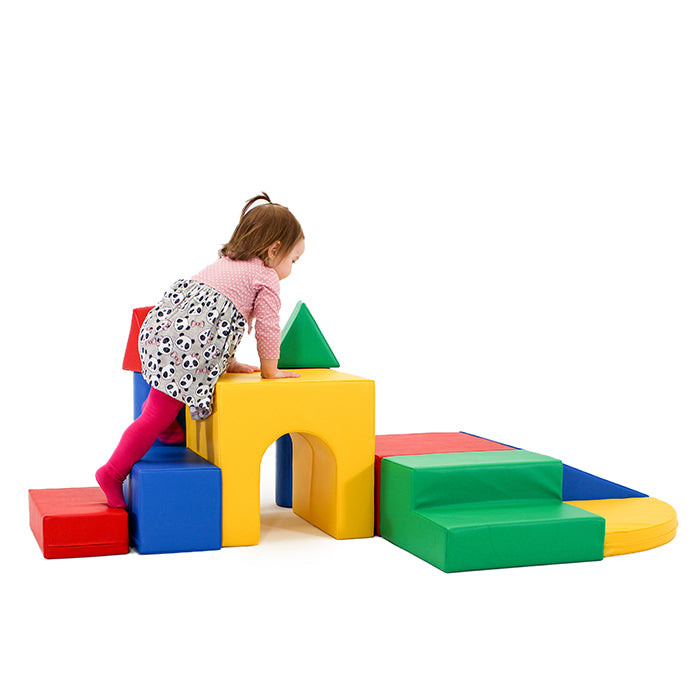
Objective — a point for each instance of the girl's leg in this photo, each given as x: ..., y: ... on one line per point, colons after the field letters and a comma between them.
x: 173, y: 434
x: 158, y: 412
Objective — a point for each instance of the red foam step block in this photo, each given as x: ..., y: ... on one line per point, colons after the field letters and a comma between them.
x: 77, y: 522
x: 423, y: 444
x: 132, y: 359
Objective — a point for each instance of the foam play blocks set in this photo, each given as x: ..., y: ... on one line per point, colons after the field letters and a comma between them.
x: 173, y: 505
x: 633, y: 521
x: 77, y: 522
x: 330, y: 417
x: 485, y: 510
x: 456, y: 500
x: 174, y: 501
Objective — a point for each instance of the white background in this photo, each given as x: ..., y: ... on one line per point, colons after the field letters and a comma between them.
x: 500, y: 201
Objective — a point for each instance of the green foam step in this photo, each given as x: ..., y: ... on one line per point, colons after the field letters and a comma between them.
x: 485, y: 510
x: 471, y: 477
x: 456, y: 538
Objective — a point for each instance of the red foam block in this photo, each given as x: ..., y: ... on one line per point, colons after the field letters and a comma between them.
x: 77, y: 522
x: 132, y: 359
x: 423, y: 444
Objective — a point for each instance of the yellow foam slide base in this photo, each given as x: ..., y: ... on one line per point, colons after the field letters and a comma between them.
x: 633, y: 524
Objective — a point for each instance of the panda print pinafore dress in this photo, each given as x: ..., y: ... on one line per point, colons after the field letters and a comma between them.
x: 187, y: 341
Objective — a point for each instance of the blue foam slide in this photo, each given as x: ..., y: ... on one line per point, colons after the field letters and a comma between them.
x: 578, y: 485
x: 581, y: 486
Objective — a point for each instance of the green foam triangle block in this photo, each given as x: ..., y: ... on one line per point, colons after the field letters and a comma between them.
x: 303, y: 345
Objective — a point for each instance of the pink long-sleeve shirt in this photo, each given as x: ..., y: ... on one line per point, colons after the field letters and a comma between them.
x: 255, y: 291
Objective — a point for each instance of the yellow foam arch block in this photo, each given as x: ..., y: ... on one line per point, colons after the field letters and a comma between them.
x: 330, y: 416
x: 633, y: 524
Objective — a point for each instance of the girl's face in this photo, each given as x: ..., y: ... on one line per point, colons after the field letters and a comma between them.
x: 283, y: 266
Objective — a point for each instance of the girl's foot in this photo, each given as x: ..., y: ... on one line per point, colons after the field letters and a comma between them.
x: 111, y: 484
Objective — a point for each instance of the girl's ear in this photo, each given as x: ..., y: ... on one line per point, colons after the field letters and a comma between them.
x: 273, y: 249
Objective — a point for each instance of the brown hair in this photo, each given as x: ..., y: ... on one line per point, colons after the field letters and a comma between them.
x: 261, y: 227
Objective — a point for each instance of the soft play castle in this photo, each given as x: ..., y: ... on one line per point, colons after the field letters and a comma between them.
x: 456, y: 500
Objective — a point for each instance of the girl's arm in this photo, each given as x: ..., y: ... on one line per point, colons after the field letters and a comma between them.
x: 269, y: 370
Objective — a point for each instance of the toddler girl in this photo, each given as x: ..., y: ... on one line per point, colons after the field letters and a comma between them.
x: 189, y: 339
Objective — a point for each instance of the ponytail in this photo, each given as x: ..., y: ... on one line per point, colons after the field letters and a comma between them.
x: 252, y: 200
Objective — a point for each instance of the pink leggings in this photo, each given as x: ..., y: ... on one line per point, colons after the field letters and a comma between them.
x: 158, y: 413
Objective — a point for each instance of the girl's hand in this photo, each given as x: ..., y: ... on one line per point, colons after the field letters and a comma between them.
x: 239, y: 367
x: 270, y: 370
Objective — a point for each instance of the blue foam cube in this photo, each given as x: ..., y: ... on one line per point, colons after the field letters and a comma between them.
x: 174, y: 501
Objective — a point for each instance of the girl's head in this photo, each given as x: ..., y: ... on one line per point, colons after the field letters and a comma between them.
x: 269, y: 232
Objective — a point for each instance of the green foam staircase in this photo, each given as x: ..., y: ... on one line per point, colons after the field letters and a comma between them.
x: 485, y: 510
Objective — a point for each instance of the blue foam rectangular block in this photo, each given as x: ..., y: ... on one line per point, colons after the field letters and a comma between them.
x: 174, y: 501
x: 283, y: 484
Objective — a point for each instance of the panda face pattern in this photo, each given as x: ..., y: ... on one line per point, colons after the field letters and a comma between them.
x: 204, y: 337
x: 186, y: 381
x: 190, y: 361
x: 165, y: 346
x: 223, y: 329
x: 211, y: 353
x: 203, y: 391
x: 184, y: 343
